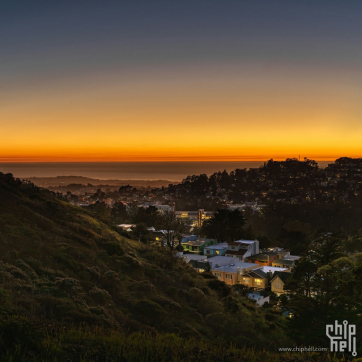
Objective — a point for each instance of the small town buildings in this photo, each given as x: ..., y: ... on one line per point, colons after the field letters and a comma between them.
x: 260, y: 278
x: 165, y: 208
x: 239, y: 249
x: 197, y: 217
x: 200, y: 265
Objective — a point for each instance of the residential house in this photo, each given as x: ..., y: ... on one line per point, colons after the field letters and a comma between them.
x: 217, y: 249
x: 287, y: 261
x: 283, y: 263
x: 186, y: 237
x: 260, y: 278
x: 197, y: 246
x: 256, y: 279
x: 201, y: 266
x: 263, y: 258
x: 202, y: 263
x: 254, y: 245
x: 232, y: 274
x: 280, y: 251
x: 278, y: 281
x: 239, y: 249
x: 218, y: 261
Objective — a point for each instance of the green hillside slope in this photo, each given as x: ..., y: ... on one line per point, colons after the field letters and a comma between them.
x: 73, y: 288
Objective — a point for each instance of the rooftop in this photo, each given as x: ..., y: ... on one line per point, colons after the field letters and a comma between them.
x: 235, y: 267
x: 188, y: 257
x: 256, y: 273
x: 244, y: 245
x: 262, y: 256
x: 291, y: 257
x: 218, y: 246
x: 272, y: 269
x: 246, y: 241
x: 194, y: 242
x: 283, y: 262
x: 283, y: 276
x: 236, y: 252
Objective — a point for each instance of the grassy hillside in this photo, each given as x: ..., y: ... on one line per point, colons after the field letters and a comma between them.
x: 72, y: 288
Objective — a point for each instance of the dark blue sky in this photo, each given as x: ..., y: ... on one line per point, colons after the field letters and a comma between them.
x: 177, y: 31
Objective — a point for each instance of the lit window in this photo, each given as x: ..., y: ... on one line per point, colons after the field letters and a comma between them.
x: 246, y: 280
x: 258, y: 281
x: 217, y: 252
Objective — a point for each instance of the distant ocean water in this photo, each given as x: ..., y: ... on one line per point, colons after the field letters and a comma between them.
x: 172, y: 171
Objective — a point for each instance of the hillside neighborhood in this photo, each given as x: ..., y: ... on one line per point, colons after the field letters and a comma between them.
x: 234, y: 260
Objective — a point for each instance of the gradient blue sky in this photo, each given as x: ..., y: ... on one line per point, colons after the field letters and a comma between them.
x: 154, y: 80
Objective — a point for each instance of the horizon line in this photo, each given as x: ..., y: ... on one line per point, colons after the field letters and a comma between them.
x: 165, y: 160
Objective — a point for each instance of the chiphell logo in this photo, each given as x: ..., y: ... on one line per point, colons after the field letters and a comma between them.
x: 342, y: 336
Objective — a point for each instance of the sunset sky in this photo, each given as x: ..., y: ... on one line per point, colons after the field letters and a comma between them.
x: 180, y: 80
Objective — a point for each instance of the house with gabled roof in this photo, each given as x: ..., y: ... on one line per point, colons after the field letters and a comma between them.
x: 278, y: 281
x: 256, y: 279
x: 238, y: 250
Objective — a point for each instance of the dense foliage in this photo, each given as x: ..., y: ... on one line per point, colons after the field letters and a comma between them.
x: 326, y: 285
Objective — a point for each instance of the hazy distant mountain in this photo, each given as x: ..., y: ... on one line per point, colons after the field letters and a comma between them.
x: 66, y: 180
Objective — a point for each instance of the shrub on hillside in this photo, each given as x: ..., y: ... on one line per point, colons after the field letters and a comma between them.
x: 148, y: 311
x: 113, y: 248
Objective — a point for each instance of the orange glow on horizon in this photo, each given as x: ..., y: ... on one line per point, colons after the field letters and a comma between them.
x: 61, y: 159
x: 182, y: 115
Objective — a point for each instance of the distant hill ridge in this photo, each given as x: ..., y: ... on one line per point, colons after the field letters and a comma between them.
x: 66, y: 180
